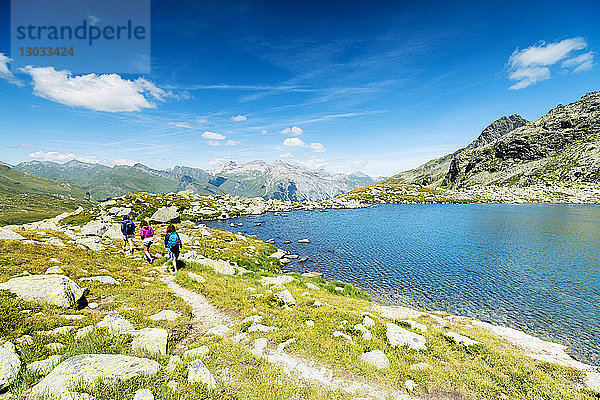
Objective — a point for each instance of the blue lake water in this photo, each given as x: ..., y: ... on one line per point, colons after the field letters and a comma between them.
x: 532, y: 267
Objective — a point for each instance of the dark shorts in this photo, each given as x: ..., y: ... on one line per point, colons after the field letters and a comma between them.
x: 173, y: 254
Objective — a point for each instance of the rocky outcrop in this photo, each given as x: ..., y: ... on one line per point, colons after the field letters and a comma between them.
x: 562, y: 146
x: 165, y: 215
x: 10, y: 364
x: 89, y: 369
x: 58, y: 290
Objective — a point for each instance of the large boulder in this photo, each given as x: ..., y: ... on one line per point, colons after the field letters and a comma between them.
x: 165, y: 215
x: 10, y: 364
x: 7, y: 234
x: 58, y: 290
x: 113, y: 232
x: 89, y: 369
x: 93, y: 228
x: 398, y: 337
x: 150, y: 340
x: 285, y: 297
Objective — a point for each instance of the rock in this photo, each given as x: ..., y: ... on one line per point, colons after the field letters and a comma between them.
x: 116, y: 325
x: 255, y: 319
x: 419, y: 366
x: 397, y: 312
x: 368, y: 322
x: 222, y: 267
x: 261, y: 328
x: 55, y: 260
x: 173, y: 385
x: 461, y: 340
x: 55, y: 347
x: 312, y: 286
x: 92, y: 243
x: 196, y: 277
x: 219, y: 330
x: 54, y: 241
x: 165, y: 215
x: 93, y: 228
x: 198, y: 373
x: 259, y: 346
x: 88, y: 369
x: 338, y: 334
x: 63, y: 330
x: 113, y: 232
x: 366, y: 334
x: 143, y: 394
x: 73, y: 316
x: 119, y: 211
x: 398, y: 337
x: 278, y: 254
x: 377, y: 358
x: 198, y: 352
x: 277, y: 280
x: 10, y: 364
x: 284, y: 261
x: 93, y: 305
x: 173, y: 364
x: 83, y: 332
x: 410, y: 385
x: 109, y: 280
x: 415, y: 326
x: 311, y: 274
x: 309, y: 323
x: 25, y: 340
x: 44, y: 366
x: 165, y: 315
x: 54, y: 270
x: 7, y: 234
x: 303, y: 241
x: 150, y: 340
x: 285, y: 297
x: 57, y: 290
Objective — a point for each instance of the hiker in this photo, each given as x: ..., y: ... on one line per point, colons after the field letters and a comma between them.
x: 172, y: 243
x: 128, y: 230
x: 146, y: 233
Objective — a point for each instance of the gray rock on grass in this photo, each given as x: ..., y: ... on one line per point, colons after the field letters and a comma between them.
x: 285, y: 297
x: 398, y: 337
x: 116, y: 325
x: 143, y: 394
x: 165, y: 315
x: 7, y: 234
x: 106, y: 279
x: 150, y: 340
x: 198, y: 373
x: 10, y: 364
x: 165, y: 215
x: 377, y: 358
x: 89, y: 369
x: 57, y: 290
x: 43, y: 367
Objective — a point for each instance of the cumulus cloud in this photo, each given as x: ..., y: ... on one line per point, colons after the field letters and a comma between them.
x: 532, y: 64
x: 5, y: 72
x: 232, y: 143
x: 294, y: 131
x: 56, y: 156
x: 286, y: 155
x: 108, y: 92
x: 239, y: 118
x: 314, y: 163
x: 180, y: 124
x: 212, y: 136
x: 296, y: 142
x: 264, y: 131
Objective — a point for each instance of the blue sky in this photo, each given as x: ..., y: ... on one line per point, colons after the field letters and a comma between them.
x: 372, y: 86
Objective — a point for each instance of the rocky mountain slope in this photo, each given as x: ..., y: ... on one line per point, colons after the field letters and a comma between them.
x: 561, y: 148
x: 433, y: 172
x: 280, y: 180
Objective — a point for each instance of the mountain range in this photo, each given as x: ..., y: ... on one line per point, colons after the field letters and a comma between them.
x: 279, y: 180
x: 561, y: 148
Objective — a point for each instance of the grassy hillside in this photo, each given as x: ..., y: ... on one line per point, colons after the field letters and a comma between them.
x: 25, y: 197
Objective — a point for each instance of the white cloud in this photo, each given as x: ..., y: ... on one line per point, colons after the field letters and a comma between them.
x: 317, y: 147
x: 314, y: 163
x: 5, y: 72
x: 286, y: 155
x: 123, y: 161
x: 264, y: 131
x: 294, y: 131
x: 217, y: 161
x: 212, y: 136
x: 232, y: 143
x: 531, y: 65
x: 56, y: 156
x: 213, y: 143
x: 294, y: 142
x: 202, y: 121
x: 180, y: 124
x: 108, y: 92
x: 239, y: 118
x: 582, y: 62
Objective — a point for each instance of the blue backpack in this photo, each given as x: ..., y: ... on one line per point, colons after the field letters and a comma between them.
x: 173, y: 240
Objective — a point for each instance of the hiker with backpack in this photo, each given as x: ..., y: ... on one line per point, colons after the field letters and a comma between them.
x: 146, y: 233
x: 128, y: 230
x: 172, y: 243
